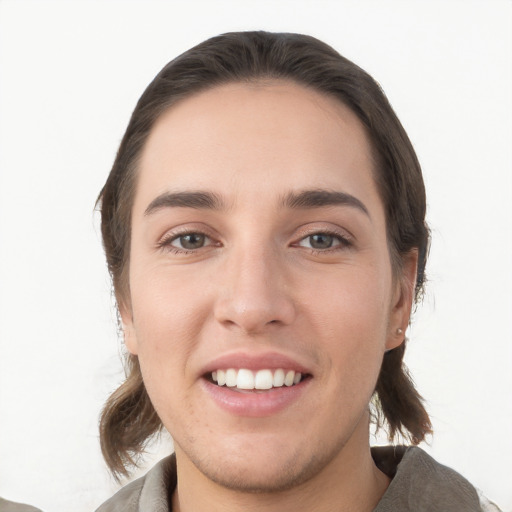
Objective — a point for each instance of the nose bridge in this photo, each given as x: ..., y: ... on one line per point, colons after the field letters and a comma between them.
x: 254, y: 293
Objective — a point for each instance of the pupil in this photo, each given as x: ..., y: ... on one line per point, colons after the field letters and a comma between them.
x: 192, y: 241
x: 321, y: 241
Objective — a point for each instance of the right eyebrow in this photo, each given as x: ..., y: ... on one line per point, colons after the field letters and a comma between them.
x: 318, y: 198
x: 201, y: 200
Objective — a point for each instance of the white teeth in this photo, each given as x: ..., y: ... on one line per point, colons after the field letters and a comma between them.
x: 288, y: 380
x: 231, y: 379
x: 278, y: 378
x: 245, y: 379
x: 262, y: 379
x: 221, y: 377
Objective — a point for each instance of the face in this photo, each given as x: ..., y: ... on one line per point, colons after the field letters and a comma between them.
x: 261, y: 292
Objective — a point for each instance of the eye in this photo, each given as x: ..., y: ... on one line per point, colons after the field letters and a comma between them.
x: 324, y: 241
x: 189, y: 241
x: 318, y: 241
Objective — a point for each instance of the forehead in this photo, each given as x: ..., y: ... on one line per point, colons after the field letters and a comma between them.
x: 259, y: 136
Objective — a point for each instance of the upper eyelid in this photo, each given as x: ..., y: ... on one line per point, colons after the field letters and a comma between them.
x: 178, y: 231
x: 334, y: 231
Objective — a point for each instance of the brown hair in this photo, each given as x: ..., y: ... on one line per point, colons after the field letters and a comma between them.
x: 128, y: 419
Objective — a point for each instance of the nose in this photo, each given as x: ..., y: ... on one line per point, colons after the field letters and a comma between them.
x: 253, y: 292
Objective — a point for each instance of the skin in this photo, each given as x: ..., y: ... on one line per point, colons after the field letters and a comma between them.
x: 260, y: 284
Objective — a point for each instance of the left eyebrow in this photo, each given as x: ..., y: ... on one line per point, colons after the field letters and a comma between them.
x: 318, y: 198
x: 200, y: 200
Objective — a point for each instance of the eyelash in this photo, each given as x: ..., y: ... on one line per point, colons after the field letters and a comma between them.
x: 344, y: 242
x: 166, y: 242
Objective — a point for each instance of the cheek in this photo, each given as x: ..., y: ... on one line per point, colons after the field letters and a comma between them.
x: 168, y: 317
x: 351, y: 303
x: 350, y: 324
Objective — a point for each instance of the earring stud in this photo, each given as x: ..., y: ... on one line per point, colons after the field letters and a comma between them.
x: 399, y: 332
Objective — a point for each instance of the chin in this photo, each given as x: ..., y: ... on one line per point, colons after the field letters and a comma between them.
x: 259, y: 478
x: 266, y: 471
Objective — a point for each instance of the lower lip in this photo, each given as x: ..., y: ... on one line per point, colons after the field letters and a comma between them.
x: 254, y: 404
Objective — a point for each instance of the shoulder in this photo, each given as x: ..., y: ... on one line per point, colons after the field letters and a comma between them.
x: 127, y: 499
x: 11, y: 506
x: 422, y: 484
x: 149, y: 492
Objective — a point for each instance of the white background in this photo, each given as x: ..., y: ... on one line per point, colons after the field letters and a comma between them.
x: 70, y: 74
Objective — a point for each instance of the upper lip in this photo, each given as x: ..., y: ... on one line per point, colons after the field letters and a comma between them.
x: 267, y: 360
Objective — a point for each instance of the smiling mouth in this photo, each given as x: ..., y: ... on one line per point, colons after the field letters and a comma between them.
x: 264, y: 379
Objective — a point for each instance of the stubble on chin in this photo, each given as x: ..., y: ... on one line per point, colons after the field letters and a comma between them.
x: 278, y: 476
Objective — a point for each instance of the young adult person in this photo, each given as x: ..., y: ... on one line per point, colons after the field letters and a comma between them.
x: 264, y: 226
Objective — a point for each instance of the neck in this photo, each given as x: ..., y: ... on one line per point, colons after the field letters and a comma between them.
x: 350, y: 482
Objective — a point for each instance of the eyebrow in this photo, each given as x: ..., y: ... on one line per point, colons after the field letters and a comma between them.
x: 205, y: 200
x: 319, y: 198
x: 190, y: 199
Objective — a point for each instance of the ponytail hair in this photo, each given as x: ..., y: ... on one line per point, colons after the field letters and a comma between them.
x: 399, y: 404
x: 128, y: 421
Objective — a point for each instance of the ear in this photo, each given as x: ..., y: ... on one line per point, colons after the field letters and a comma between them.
x: 130, y: 339
x: 403, y: 298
